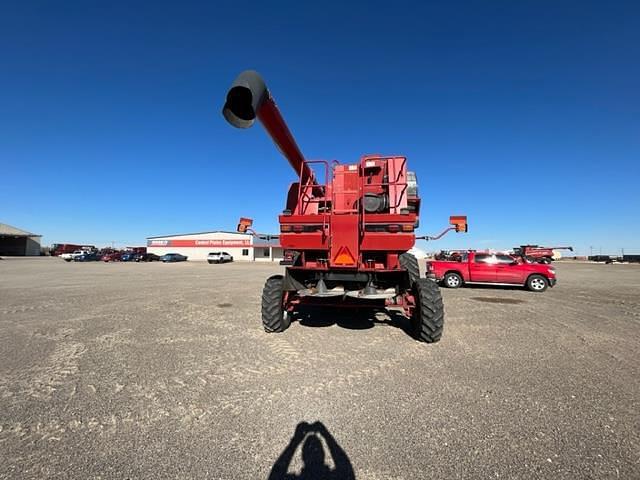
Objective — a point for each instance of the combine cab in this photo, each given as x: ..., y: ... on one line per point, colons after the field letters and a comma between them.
x: 347, y: 236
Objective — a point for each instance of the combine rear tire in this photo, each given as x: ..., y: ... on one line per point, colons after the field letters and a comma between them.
x: 410, y: 264
x: 274, y: 318
x: 428, y: 316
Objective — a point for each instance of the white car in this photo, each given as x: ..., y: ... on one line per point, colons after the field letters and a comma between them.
x: 67, y: 257
x: 219, y: 257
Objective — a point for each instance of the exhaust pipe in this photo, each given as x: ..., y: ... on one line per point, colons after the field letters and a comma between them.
x: 248, y: 99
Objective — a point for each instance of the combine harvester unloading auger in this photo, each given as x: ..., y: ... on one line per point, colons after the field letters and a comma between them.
x: 350, y: 235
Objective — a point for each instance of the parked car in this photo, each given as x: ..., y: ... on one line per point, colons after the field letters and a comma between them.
x: 112, y: 257
x: 497, y: 269
x: 173, y: 257
x: 146, y: 257
x: 87, y: 257
x: 128, y: 257
x: 219, y: 257
x: 67, y: 257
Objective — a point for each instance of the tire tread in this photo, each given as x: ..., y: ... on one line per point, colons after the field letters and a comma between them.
x: 409, y: 262
x: 428, y: 321
x: 273, y: 319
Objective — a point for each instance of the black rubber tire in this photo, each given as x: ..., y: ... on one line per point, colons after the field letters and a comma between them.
x: 428, y: 316
x: 274, y: 318
x: 445, y: 280
x: 209, y: 262
x: 532, y: 279
x: 410, y: 264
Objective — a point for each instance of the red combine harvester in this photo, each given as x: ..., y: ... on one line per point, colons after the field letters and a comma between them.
x: 349, y: 235
x: 537, y: 253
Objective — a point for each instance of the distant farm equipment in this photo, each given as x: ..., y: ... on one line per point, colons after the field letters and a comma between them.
x: 540, y: 254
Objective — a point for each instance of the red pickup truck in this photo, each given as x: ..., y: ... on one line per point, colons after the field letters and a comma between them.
x: 495, y: 268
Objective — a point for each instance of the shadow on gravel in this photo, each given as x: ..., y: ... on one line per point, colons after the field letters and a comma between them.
x: 351, y: 318
x: 490, y: 286
x: 311, y: 437
x: 508, y: 301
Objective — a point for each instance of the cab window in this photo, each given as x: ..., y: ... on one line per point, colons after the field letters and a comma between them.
x: 482, y: 258
x: 504, y: 259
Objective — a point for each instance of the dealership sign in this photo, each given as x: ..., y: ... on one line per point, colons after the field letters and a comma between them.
x: 201, y: 242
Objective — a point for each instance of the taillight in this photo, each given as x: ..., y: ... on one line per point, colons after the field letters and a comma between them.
x: 285, y: 228
x: 298, y: 228
x: 393, y: 228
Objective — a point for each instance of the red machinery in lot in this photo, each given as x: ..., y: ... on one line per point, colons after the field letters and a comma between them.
x: 499, y: 269
x: 537, y: 253
x: 58, y: 249
x: 349, y: 235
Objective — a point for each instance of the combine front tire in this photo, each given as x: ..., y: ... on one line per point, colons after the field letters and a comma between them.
x: 274, y: 317
x: 428, y: 316
x: 410, y: 263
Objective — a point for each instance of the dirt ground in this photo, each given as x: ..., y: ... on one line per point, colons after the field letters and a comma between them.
x: 163, y: 371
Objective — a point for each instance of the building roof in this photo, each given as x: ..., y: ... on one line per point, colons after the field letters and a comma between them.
x: 197, y: 233
x: 15, y: 232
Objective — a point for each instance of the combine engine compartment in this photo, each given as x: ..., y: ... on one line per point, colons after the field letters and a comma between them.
x: 348, y: 240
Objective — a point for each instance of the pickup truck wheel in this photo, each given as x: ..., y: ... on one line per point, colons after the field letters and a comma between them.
x: 537, y: 283
x: 427, y: 320
x: 274, y: 317
x: 452, y: 280
x: 410, y: 264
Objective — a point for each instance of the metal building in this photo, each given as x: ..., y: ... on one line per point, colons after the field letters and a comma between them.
x: 196, y: 246
x: 16, y: 242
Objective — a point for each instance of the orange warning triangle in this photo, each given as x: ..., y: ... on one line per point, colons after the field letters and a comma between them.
x: 344, y: 257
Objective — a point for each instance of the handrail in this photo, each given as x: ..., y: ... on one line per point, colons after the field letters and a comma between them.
x: 304, y: 199
x: 396, y: 182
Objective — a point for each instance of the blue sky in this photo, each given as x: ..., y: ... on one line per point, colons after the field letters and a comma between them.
x: 523, y: 115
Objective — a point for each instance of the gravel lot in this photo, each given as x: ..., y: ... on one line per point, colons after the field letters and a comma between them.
x: 163, y: 371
